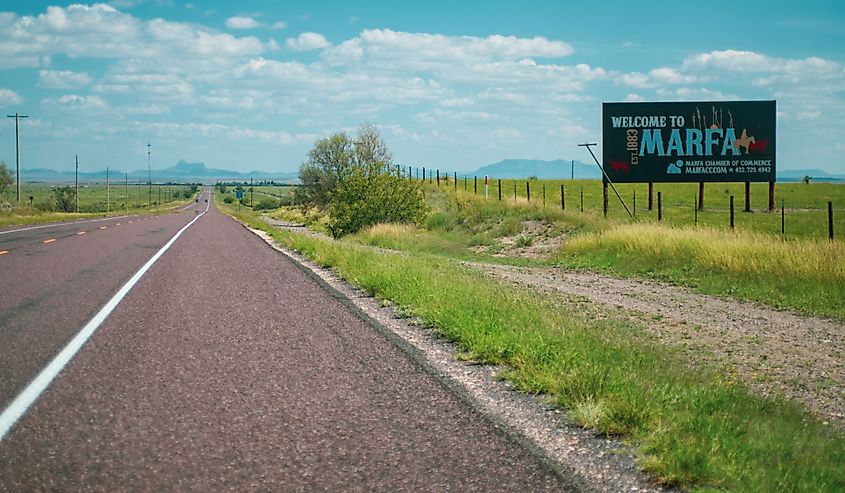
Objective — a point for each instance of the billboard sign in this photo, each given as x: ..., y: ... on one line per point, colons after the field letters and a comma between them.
x: 727, y: 141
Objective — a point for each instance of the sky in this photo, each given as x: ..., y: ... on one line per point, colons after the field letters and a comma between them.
x: 251, y: 85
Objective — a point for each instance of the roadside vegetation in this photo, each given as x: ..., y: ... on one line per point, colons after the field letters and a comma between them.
x: 698, y: 428
x: 694, y: 428
x: 42, y: 202
x: 356, y: 182
x: 801, y: 272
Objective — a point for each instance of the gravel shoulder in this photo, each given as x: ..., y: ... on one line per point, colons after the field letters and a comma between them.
x: 776, y: 353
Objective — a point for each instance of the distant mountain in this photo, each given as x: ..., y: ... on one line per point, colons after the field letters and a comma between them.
x: 181, y: 172
x: 815, y: 174
x: 524, y: 168
x: 561, y: 169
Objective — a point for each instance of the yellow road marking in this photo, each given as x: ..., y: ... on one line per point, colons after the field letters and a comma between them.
x: 51, y: 240
x: 4, y: 252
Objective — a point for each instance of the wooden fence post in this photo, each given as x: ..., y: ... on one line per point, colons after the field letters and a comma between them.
x: 747, y: 197
x: 732, y: 212
x: 771, y: 195
x: 659, y: 207
x: 830, y: 220
x: 650, y: 195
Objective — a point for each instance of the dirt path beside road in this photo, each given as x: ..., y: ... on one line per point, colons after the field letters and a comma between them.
x: 774, y: 352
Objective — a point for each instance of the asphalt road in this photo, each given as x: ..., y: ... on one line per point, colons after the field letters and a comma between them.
x: 228, y: 368
x: 53, y: 278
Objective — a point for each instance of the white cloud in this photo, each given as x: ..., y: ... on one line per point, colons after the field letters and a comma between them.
x: 671, y: 76
x: 307, y: 41
x: 731, y: 60
x: 63, y: 79
x: 279, y: 25
x: 234, y: 99
x: 694, y: 93
x: 158, y: 87
x: 146, y: 109
x: 655, y: 77
x: 751, y: 62
x: 73, y: 102
x: 635, y: 79
x: 9, y: 97
x: 230, y: 133
x: 242, y: 22
x: 101, y: 31
x: 420, y: 49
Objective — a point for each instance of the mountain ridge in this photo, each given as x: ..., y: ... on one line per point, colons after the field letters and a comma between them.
x: 506, y: 169
x: 181, y: 171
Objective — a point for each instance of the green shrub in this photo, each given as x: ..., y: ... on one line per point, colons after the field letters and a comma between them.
x: 266, y: 204
x: 65, y: 198
x: 228, y: 199
x: 363, y: 200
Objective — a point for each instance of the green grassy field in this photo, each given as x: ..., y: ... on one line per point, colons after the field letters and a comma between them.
x: 94, y: 199
x: 805, y: 204
x: 691, y: 427
x: 801, y: 273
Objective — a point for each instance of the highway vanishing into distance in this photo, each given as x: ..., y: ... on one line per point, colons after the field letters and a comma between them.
x: 224, y: 366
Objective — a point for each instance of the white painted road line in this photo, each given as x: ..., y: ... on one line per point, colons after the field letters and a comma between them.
x: 33, y: 391
x: 55, y: 225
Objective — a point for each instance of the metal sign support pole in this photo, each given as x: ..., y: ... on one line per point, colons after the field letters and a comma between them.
x: 607, y: 178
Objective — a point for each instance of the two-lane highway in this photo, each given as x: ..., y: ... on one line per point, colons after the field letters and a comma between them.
x: 227, y: 367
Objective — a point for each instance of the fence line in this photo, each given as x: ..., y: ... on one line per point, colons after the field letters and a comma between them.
x: 666, y: 210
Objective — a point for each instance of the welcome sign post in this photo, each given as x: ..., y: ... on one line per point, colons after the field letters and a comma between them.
x: 704, y: 141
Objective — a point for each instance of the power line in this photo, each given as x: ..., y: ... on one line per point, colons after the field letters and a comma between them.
x: 17, y: 117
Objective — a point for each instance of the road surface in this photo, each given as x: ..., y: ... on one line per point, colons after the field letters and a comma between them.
x: 226, y: 367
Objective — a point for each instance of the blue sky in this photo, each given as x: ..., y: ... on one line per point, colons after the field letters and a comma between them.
x: 250, y: 85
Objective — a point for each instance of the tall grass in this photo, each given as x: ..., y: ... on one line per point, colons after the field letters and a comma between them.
x: 94, y: 200
x: 691, y: 428
x: 806, y: 275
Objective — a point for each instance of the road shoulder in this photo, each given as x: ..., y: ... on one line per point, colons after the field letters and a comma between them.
x: 600, y: 463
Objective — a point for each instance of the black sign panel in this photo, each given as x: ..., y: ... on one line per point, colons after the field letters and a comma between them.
x: 689, y: 141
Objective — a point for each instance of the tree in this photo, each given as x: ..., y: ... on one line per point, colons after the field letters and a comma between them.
x: 353, y: 180
x: 329, y: 162
x: 371, y: 153
x: 806, y: 179
x: 6, y: 178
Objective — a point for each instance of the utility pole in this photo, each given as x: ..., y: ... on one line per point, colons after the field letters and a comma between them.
x: 126, y: 199
x: 572, y: 176
x: 77, y: 184
x: 17, y: 117
x: 149, y: 177
x: 108, y: 192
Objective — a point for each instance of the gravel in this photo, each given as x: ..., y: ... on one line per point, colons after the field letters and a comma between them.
x: 774, y: 352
